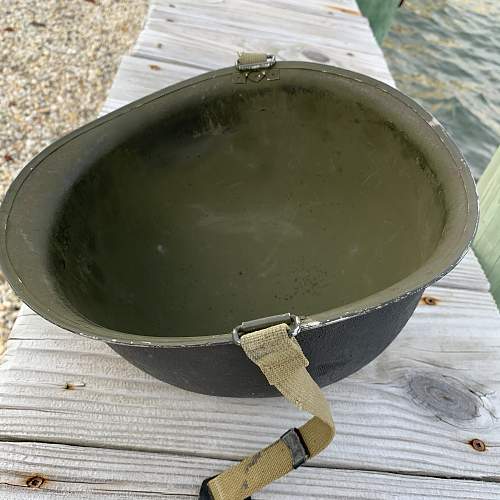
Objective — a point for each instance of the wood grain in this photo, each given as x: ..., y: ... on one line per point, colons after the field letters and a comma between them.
x: 208, y: 35
x: 255, y: 19
x: 138, y: 77
x: 185, y: 38
x: 414, y: 409
x: 94, y: 473
x: 218, y: 49
x: 468, y: 275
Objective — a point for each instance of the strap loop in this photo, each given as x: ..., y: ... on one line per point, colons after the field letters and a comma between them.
x: 254, y: 60
x: 282, y: 361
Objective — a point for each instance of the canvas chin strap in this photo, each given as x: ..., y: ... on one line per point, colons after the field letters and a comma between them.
x: 282, y: 361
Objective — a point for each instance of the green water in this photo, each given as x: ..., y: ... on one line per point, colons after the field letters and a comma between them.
x: 446, y: 55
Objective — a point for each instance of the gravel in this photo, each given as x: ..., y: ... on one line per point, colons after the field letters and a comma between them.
x: 58, y: 59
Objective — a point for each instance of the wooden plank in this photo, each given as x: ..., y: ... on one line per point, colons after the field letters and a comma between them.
x: 210, y: 48
x: 96, y: 473
x: 348, y: 10
x: 209, y: 36
x: 321, y: 7
x: 345, y: 13
x: 296, y: 4
x: 413, y: 410
x: 186, y: 38
x: 268, y: 21
x: 138, y: 77
x: 468, y: 275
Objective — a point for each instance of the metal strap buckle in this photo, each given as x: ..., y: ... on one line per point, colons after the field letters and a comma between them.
x: 298, y: 448
x: 292, y: 320
x: 206, y: 494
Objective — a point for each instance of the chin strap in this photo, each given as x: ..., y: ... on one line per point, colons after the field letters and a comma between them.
x: 282, y: 361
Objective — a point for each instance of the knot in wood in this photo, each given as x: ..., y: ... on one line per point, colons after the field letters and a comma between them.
x: 478, y: 444
x: 448, y: 398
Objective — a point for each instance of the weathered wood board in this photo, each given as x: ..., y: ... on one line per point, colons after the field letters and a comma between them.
x: 81, y: 472
x: 89, y: 425
x: 437, y: 381
x: 186, y: 38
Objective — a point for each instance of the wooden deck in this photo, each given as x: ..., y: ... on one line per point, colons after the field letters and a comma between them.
x: 77, y: 421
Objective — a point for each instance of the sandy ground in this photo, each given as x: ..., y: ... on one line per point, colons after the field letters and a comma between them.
x: 57, y: 62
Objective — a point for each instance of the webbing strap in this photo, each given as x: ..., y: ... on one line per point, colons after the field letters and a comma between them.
x: 283, y: 363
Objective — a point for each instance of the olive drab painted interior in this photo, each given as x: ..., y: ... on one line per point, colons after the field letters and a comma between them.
x: 218, y: 201
x: 283, y: 199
